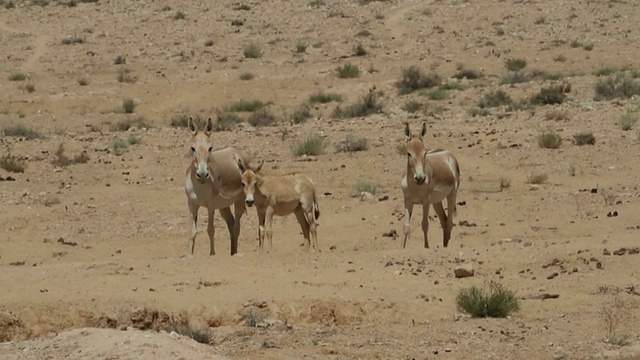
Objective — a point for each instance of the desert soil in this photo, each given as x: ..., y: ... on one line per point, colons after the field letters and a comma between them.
x: 90, y: 250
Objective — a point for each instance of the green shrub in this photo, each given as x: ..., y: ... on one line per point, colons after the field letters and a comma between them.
x: 616, y: 86
x: 323, y: 98
x: 246, y: 106
x: 312, y: 145
x: 549, y: 140
x: 129, y: 106
x: 584, y: 139
x: 348, y: 71
x: 252, y: 51
x: 494, y: 301
x: 515, y: 64
x: 628, y: 121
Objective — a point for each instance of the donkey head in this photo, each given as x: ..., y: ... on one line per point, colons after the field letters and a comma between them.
x: 249, y: 181
x: 416, y: 153
x: 201, y: 149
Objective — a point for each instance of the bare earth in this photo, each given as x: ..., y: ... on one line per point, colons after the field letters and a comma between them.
x: 104, y: 244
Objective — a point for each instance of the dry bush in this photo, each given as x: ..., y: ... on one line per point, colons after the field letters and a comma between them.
x: 495, y: 98
x: 584, y: 139
x: 492, y: 301
x: 414, y: 79
x: 621, y: 86
x: 549, y: 140
x: 62, y: 160
x: 537, y: 178
x: 367, y: 105
x: 262, y: 117
x: 348, y: 71
x: 22, y: 131
x: 12, y: 163
x: 312, y: 145
x: 548, y: 96
x: 352, y: 143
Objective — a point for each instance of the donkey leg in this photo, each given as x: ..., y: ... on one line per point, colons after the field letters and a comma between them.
x: 228, y: 218
x: 269, y: 226
x: 193, y: 211
x: 261, y: 217
x: 408, y: 211
x: 304, y: 225
x: 444, y: 223
x: 211, y: 230
x: 425, y: 223
x: 451, y: 209
x: 238, y: 210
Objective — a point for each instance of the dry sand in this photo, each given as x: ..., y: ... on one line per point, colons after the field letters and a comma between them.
x: 104, y: 244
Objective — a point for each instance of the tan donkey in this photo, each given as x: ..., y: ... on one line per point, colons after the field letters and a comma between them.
x: 213, y: 181
x: 430, y: 177
x: 281, y: 195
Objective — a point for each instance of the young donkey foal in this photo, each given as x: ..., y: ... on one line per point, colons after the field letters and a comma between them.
x: 213, y: 181
x: 281, y: 195
x: 431, y: 176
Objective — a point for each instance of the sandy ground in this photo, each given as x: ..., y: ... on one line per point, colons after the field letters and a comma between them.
x: 104, y: 244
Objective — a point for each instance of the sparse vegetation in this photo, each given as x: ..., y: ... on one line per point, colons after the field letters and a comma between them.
x: 437, y: 94
x: 125, y: 76
x: 494, y: 99
x: 537, y: 178
x: 359, y: 50
x: 225, y: 120
x: 323, y: 98
x: 62, y: 160
x: 119, y: 146
x: 301, y: 47
x: 246, y: 106
x: 515, y: 77
x: 179, y: 15
x: 412, y: 106
x: 201, y: 335
x: 12, y: 163
x: 367, y: 105
x: 469, y: 74
x: 261, y: 117
x: 252, y: 318
x: 585, y: 138
x: 494, y: 301
x: 120, y: 60
x: 301, y: 114
x: 126, y: 124
x: 83, y: 81
x: 560, y: 58
x: 252, y: 51
x: 477, y: 111
x: 628, y: 121
x: 549, y: 140
x: 548, y: 96
x: 605, y: 71
x: 208, y: 43
x: 22, y: 131
x: 72, y: 40
x: 17, y: 76
x: 312, y: 145
x: 348, y: 71
x: 556, y: 115
x: 352, y: 143
x: 614, y: 315
x: 414, y: 79
x: 617, y: 86
x: 128, y: 106
x: 365, y: 187
x: 515, y: 64
x: 247, y: 76
x: 30, y: 88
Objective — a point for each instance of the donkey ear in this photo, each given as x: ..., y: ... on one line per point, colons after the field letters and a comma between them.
x: 259, y: 167
x: 423, y: 131
x: 240, y: 163
x: 209, y: 128
x: 407, y: 131
x: 192, y: 126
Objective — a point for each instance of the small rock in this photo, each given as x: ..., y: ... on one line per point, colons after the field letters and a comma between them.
x: 606, y: 252
x: 552, y: 276
x: 620, y: 252
x: 633, y: 251
x: 463, y: 271
x: 391, y: 233
x: 384, y: 198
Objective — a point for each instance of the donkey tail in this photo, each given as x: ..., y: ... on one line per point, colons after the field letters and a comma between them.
x: 316, y: 208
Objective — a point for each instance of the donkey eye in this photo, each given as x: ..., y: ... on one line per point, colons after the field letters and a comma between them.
x: 409, y: 154
x: 193, y: 149
x: 210, y: 148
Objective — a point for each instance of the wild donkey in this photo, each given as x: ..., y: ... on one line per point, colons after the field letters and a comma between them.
x: 213, y: 181
x: 281, y: 195
x: 430, y: 177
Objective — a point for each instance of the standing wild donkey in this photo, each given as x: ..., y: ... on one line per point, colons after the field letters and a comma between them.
x: 431, y: 176
x: 281, y: 195
x: 213, y: 181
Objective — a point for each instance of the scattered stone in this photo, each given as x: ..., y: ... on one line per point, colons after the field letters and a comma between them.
x: 612, y: 214
x: 466, y: 223
x: 391, y: 233
x: 634, y: 251
x: 17, y: 263
x: 384, y: 198
x: 333, y: 247
x: 8, y: 178
x: 542, y: 296
x: 552, y: 276
x: 389, y: 263
x: 606, y: 252
x: 620, y: 252
x: 68, y: 243
x: 463, y: 271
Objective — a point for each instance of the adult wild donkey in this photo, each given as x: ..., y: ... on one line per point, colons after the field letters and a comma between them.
x: 213, y: 181
x: 430, y: 177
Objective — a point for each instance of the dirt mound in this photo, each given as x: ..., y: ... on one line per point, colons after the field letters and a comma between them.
x: 91, y: 343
